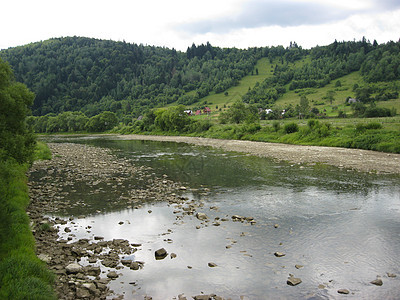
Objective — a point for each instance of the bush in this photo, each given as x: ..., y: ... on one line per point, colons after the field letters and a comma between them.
x: 373, y: 125
x: 291, y: 128
x: 276, y: 125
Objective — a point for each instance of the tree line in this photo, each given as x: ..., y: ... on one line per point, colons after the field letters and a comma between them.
x: 91, y: 75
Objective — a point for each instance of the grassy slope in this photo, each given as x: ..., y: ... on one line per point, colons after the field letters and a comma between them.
x: 314, y: 95
x: 236, y: 92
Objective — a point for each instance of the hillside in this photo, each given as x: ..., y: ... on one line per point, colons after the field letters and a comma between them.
x: 92, y: 76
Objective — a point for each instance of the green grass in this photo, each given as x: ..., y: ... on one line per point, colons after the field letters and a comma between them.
x: 22, y: 274
x: 235, y: 93
x: 42, y: 151
x: 367, y: 134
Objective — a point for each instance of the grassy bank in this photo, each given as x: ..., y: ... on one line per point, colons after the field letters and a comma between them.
x: 22, y: 274
x: 362, y: 135
x: 379, y: 134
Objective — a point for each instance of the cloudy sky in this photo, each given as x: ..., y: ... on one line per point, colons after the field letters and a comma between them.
x: 179, y: 23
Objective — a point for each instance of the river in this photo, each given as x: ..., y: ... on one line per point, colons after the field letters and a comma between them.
x: 338, y: 229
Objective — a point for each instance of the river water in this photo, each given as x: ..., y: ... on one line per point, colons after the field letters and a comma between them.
x: 341, y: 228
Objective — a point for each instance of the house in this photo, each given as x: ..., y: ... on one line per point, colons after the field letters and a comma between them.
x: 351, y: 100
x: 268, y: 111
x: 198, y: 112
x: 188, y: 112
x: 207, y: 110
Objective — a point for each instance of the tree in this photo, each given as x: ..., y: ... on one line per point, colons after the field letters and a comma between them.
x: 16, y: 140
x: 330, y: 96
x: 172, y: 119
x: 304, y: 106
x: 102, y: 122
x: 238, y: 113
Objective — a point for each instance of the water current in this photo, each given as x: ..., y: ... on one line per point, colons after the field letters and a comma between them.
x: 338, y: 229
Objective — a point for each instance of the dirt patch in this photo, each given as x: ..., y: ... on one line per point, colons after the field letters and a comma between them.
x: 360, y: 160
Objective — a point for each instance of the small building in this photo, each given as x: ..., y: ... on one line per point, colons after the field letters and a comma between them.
x: 198, y: 112
x: 207, y: 110
x: 351, y: 100
x: 268, y: 111
x: 188, y: 112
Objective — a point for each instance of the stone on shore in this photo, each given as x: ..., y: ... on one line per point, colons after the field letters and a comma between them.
x: 293, y: 281
x: 343, y: 291
x: 44, y: 257
x: 161, y: 254
x: 201, y: 216
x: 112, y: 275
x: 73, y: 268
x: 279, y: 254
x: 377, y: 282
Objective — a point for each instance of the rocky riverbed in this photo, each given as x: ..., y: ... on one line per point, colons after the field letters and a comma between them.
x: 85, y: 266
x: 77, y: 263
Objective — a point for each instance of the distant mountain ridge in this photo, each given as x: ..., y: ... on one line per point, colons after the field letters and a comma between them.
x: 91, y: 75
x: 77, y: 73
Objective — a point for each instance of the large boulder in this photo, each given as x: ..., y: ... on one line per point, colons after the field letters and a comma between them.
x: 73, y: 268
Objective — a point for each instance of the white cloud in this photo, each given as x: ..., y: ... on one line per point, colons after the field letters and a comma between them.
x: 179, y: 23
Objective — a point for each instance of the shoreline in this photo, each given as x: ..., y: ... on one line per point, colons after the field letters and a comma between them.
x: 356, y: 159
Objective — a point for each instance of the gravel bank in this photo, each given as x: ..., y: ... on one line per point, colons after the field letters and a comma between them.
x: 360, y: 160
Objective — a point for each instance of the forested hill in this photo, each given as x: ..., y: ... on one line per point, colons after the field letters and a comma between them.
x: 91, y: 75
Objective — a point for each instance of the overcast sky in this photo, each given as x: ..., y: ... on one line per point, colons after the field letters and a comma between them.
x: 179, y: 23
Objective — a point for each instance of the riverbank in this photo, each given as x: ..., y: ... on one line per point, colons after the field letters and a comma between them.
x: 356, y: 159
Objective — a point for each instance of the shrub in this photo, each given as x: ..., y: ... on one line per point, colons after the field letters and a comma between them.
x: 291, y: 127
x: 373, y: 125
x: 276, y: 125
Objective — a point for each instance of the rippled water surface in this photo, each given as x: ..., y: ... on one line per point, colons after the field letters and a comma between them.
x: 342, y: 226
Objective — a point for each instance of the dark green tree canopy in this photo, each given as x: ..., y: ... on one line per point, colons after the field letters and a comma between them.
x: 16, y: 140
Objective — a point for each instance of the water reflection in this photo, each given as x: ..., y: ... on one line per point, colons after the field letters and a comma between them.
x: 342, y: 227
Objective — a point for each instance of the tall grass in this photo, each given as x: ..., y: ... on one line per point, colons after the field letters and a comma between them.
x: 22, y: 274
x: 42, y: 151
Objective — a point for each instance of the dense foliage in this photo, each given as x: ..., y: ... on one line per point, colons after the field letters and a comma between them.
x: 92, y: 76
x: 16, y: 141
x: 22, y: 274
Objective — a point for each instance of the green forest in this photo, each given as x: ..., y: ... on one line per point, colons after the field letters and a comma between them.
x: 92, y: 76
x: 90, y: 85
